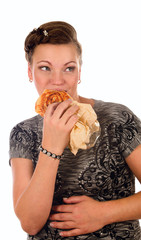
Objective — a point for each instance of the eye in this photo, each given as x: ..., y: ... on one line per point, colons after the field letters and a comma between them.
x: 45, y: 68
x: 70, y: 69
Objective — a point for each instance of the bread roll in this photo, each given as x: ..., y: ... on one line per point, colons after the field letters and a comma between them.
x: 48, y: 97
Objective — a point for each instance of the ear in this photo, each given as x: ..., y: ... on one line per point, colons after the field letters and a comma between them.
x: 30, y: 72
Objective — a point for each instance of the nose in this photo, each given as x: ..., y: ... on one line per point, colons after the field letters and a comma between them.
x: 57, y: 78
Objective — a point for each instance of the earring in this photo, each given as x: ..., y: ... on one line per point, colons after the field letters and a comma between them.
x: 79, y: 81
x: 30, y: 80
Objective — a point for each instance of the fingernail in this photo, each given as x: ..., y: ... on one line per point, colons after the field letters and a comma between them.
x: 51, y: 224
x: 61, y: 234
x: 65, y: 198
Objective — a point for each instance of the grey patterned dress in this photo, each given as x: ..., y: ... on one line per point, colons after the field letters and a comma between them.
x: 99, y: 172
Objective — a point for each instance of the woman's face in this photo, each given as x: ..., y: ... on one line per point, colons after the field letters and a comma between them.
x: 55, y: 67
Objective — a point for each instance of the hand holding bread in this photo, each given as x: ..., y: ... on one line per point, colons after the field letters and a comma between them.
x: 85, y: 131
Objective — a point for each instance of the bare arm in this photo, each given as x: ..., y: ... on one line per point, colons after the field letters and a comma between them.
x: 129, y: 208
x: 33, y: 192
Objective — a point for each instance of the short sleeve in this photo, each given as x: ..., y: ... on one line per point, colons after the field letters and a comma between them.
x: 130, y: 129
x: 20, y: 143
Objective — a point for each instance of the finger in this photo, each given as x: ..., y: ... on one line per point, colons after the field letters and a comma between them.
x: 70, y: 111
x: 74, y: 199
x: 63, y: 208
x: 62, y: 225
x: 51, y: 108
x: 61, y: 108
x: 71, y: 233
x: 61, y: 217
x: 72, y: 121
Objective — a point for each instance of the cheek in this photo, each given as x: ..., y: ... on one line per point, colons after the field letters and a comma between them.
x: 37, y: 77
x: 39, y: 82
x: 75, y: 77
x: 72, y: 86
x: 40, y: 78
x: 72, y: 82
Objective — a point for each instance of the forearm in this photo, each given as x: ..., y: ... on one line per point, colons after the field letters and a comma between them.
x: 123, y: 209
x: 34, y: 205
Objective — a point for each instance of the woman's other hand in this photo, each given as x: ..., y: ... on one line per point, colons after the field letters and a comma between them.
x: 80, y: 215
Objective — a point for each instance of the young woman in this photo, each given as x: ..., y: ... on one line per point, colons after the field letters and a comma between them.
x: 87, y: 196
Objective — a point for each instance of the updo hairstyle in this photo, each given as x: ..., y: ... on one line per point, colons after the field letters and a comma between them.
x: 55, y: 32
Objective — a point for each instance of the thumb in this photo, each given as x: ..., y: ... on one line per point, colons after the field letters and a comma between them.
x: 74, y: 199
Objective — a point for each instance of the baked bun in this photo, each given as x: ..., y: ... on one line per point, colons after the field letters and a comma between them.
x: 47, y: 97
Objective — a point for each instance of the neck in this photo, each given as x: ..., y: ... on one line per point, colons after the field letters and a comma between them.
x: 86, y: 100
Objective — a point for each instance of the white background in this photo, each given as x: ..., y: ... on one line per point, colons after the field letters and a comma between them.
x: 110, y: 33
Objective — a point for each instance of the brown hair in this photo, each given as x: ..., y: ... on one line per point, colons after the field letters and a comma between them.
x: 55, y: 32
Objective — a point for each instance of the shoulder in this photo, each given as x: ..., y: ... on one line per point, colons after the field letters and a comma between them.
x: 113, y: 111
x: 109, y: 107
x: 27, y: 127
x: 25, y: 138
x: 120, y: 124
x: 29, y: 123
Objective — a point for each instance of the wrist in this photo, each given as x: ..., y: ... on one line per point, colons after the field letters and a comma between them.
x: 49, y: 154
x: 53, y: 149
x: 108, y: 212
x: 114, y: 212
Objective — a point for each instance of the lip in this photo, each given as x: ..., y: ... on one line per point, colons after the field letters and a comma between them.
x: 57, y: 89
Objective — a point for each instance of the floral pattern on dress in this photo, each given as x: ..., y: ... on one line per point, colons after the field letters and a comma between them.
x: 100, y: 172
x: 108, y: 176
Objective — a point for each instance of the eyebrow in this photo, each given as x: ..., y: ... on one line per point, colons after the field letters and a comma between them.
x: 69, y: 63
x: 45, y: 61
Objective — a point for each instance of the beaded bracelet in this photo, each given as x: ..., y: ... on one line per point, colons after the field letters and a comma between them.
x: 53, y: 155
